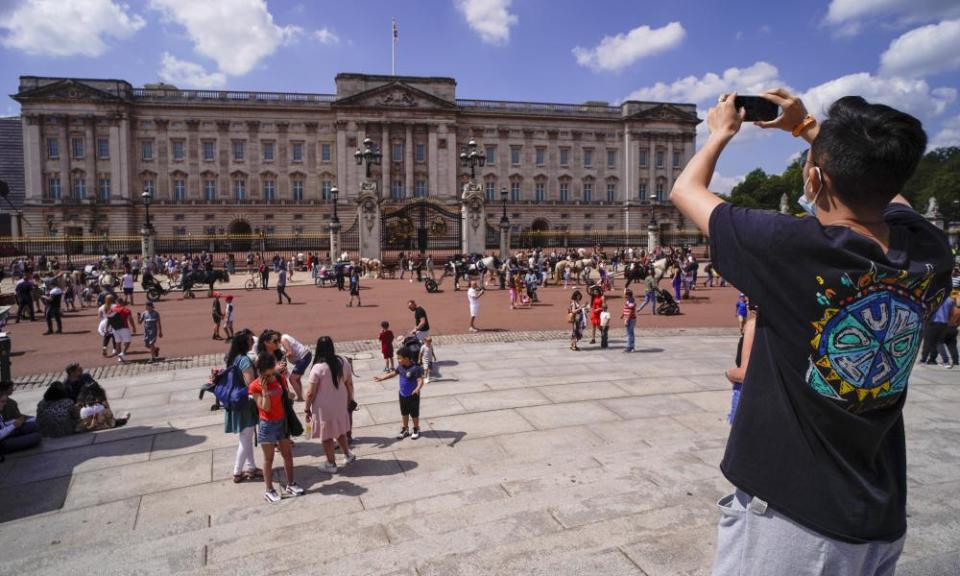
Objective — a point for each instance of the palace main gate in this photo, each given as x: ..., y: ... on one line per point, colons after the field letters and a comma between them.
x: 422, y: 227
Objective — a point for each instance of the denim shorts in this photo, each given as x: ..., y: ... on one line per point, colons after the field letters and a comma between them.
x: 302, y: 364
x: 271, y: 431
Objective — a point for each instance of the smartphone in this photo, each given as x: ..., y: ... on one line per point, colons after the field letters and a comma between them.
x: 757, y: 108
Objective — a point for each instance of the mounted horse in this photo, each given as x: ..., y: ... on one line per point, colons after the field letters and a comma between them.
x: 208, y: 277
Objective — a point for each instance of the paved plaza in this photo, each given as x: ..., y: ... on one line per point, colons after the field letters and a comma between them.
x: 536, y: 460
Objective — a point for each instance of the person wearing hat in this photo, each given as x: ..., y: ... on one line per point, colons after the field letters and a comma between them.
x: 228, y: 324
x: 217, y: 316
x: 152, y: 329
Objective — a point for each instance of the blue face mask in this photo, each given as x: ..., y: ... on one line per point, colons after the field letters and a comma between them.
x: 810, y: 206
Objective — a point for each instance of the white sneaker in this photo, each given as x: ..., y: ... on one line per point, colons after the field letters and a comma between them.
x: 293, y: 489
x: 416, y: 434
x: 272, y: 496
x: 328, y: 468
x: 350, y: 458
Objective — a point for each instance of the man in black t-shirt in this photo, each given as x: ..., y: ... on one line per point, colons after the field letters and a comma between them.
x: 421, y: 327
x: 817, y: 450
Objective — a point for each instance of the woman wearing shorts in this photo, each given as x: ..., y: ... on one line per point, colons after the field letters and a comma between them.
x: 126, y: 282
x: 300, y: 357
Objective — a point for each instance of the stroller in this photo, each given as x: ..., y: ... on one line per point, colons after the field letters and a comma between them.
x: 666, y: 304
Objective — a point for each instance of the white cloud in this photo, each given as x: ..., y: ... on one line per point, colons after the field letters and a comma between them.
x: 949, y: 134
x: 183, y: 74
x: 326, y: 36
x: 236, y: 34
x: 924, y: 51
x: 491, y: 19
x: 615, y: 53
x: 849, y: 15
x: 57, y: 28
x: 909, y: 95
x: 751, y: 80
x: 724, y: 184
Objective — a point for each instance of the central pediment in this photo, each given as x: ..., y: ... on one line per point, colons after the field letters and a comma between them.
x: 68, y: 89
x: 395, y: 95
x: 666, y: 113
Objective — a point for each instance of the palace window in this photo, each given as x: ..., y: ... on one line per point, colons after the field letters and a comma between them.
x: 324, y: 152
x: 397, y: 192
x: 676, y: 158
x: 539, y: 191
x: 177, y: 150
x: 421, y: 153
x: 564, y: 157
x: 146, y: 150
x: 643, y: 191
x: 611, y: 192
x: 491, y: 154
x: 588, y: 158
x: 103, y: 148
x: 588, y: 191
x: 296, y: 151
x: 210, y: 189
x: 79, y: 187
x: 53, y: 148
x: 659, y: 158
x: 398, y: 152
x: 515, y: 191
x: 564, y: 191
x: 298, y: 190
x: 53, y: 188
x: 515, y: 155
x: 103, y: 189
x: 149, y: 186
x: 611, y: 158
x: 179, y: 230
x: 326, y: 186
x: 660, y: 191
x: 269, y: 190
x: 239, y: 150
x: 76, y: 147
x: 268, y: 151
x: 420, y: 189
x: 209, y: 150
x: 541, y: 156
x: 239, y: 188
x: 490, y: 191
x: 179, y: 190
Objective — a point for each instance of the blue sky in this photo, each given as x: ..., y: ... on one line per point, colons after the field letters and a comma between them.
x: 902, y: 52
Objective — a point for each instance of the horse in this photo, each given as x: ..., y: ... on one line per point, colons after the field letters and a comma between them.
x: 208, y: 278
x: 371, y: 267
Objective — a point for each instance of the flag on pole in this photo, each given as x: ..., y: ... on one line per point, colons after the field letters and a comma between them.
x: 393, y: 52
x: 396, y: 34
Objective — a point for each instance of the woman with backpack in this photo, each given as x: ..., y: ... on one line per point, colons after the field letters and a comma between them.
x: 242, y: 419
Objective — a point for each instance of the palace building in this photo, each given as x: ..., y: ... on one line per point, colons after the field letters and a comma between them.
x: 221, y: 162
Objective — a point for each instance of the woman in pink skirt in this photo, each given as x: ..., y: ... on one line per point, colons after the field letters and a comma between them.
x: 330, y: 393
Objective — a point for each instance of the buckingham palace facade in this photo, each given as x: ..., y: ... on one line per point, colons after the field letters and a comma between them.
x: 222, y: 162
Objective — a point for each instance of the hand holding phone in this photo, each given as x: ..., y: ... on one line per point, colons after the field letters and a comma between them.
x: 758, y: 109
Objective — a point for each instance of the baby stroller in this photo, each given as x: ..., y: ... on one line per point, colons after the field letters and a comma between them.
x: 666, y: 304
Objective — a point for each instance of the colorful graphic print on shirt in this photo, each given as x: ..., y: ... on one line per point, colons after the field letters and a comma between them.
x: 866, y: 342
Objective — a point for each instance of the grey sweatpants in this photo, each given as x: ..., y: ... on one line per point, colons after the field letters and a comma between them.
x: 753, y: 540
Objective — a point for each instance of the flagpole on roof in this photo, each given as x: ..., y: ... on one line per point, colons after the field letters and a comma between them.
x: 393, y: 55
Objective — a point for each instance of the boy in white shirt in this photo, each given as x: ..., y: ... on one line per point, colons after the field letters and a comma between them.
x: 427, y: 360
x: 604, y: 326
x: 228, y: 326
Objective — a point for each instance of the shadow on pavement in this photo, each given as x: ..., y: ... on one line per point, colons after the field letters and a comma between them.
x: 442, y: 435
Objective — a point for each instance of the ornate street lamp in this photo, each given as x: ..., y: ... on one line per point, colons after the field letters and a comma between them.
x: 504, y: 221
x: 471, y: 157
x: 147, y: 198
x: 334, y: 194
x: 370, y: 154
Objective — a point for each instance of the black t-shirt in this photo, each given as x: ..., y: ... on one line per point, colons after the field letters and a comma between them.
x: 419, y: 314
x: 819, y: 430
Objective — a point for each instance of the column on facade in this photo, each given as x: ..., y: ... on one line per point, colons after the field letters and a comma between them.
x: 66, y: 188
x: 627, y: 175
x: 163, y: 170
x: 387, y: 159
x: 255, y: 189
x: 311, y: 166
x: 224, y: 188
x: 281, y: 154
x: 408, y: 160
x: 669, y: 163
x: 432, y: 167
x: 120, y: 165
x: 344, y: 183
x: 193, y: 160
x: 453, y: 160
x: 34, y: 157
x: 651, y: 169
x: 90, y: 156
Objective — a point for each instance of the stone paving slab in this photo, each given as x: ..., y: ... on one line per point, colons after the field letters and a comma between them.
x: 534, y: 460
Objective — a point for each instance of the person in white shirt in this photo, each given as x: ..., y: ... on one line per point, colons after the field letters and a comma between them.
x: 126, y: 282
x: 604, y: 327
x: 473, y: 296
x: 300, y: 357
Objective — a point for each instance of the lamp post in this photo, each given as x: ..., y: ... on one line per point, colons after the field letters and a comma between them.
x: 653, y: 232
x: 146, y: 242
x: 335, y: 226
x: 504, y: 227
x: 471, y: 157
x: 370, y: 154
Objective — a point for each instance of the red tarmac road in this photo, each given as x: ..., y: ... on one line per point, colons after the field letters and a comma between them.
x: 187, y: 324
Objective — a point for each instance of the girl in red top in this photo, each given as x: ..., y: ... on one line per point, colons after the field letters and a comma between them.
x: 268, y: 392
x: 386, y: 345
x: 597, y: 301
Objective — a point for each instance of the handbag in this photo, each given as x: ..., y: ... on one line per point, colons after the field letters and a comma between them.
x: 571, y: 317
x: 294, y: 427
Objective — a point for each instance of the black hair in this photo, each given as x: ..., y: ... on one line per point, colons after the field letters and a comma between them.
x: 326, y: 354
x: 262, y: 340
x: 56, y: 391
x: 265, y: 361
x: 576, y: 295
x: 407, y: 353
x: 385, y: 325
x: 239, y: 346
x: 6, y: 387
x: 71, y: 367
x: 92, y: 393
x: 868, y: 150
